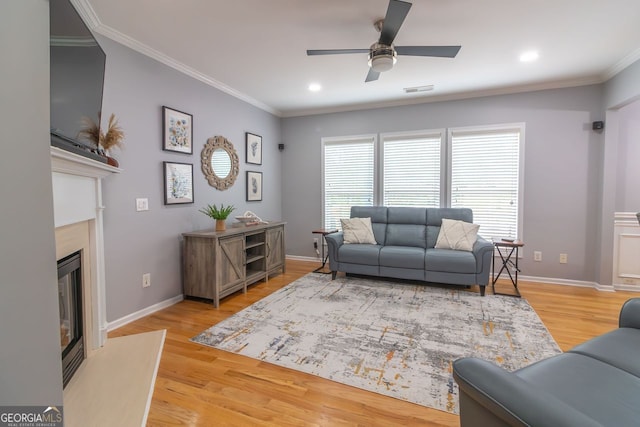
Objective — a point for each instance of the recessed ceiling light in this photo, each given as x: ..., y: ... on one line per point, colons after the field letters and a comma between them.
x: 315, y: 87
x: 529, y: 56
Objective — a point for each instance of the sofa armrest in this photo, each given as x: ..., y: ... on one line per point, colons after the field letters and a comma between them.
x: 334, y: 241
x: 630, y: 314
x: 483, y: 251
x: 481, y: 245
x: 490, y: 392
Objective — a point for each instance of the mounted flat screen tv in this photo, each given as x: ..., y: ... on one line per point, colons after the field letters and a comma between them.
x: 77, y: 64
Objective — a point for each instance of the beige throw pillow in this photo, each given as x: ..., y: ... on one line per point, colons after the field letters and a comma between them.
x: 358, y: 230
x: 458, y: 235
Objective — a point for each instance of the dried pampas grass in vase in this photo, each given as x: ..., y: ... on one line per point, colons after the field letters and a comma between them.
x: 103, y: 140
x: 113, y: 136
x: 90, y: 131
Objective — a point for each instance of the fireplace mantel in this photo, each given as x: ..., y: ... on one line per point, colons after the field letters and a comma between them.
x: 77, y: 198
x: 73, y: 164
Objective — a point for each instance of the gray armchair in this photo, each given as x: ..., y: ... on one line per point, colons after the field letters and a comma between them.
x: 594, y: 384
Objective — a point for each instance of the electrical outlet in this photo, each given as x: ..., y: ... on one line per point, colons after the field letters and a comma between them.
x: 146, y: 280
x: 563, y: 258
x: 142, y: 204
x: 537, y: 256
x: 315, y: 243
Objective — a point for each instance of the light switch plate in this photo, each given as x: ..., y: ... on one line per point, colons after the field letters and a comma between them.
x: 142, y: 204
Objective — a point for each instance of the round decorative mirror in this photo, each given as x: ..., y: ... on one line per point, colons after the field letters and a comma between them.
x: 220, y: 163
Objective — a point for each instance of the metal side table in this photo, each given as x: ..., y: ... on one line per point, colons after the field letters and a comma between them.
x: 509, y: 263
x: 324, y: 232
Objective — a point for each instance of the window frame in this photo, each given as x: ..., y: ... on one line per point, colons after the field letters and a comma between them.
x: 338, y: 140
x: 424, y: 133
x: 446, y: 146
x: 519, y: 127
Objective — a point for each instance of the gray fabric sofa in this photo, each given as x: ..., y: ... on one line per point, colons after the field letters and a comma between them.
x: 405, y: 248
x: 595, y: 384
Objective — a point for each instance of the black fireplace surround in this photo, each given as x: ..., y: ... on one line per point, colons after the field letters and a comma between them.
x: 71, y: 319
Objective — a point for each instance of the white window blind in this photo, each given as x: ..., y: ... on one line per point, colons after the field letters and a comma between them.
x: 348, y: 177
x: 485, y: 176
x: 411, y: 171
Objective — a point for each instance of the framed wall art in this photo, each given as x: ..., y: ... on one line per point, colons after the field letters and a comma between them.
x: 254, y: 149
x: 177, y: 131
x: 254, y: 186
x: 178, y: 183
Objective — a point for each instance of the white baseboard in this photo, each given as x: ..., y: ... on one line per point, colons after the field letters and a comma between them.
x: 304, y: 258
x: 556, y: 281
x: 144, y: 312
x: 625, y: 287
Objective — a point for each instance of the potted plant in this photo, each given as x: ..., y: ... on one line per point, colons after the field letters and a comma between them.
x: 219, y: 214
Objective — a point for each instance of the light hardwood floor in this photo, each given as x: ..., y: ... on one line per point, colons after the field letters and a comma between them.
x: 201, y: 386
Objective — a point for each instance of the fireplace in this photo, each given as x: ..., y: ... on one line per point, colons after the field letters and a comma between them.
x: 71, y: 318
x: 78, y: 209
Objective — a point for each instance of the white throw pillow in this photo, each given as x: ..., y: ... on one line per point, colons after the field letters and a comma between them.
x: 358, y: 230
x: 458, y: 235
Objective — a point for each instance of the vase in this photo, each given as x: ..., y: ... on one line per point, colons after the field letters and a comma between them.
x: 220, y: 225
x: 112, y: 162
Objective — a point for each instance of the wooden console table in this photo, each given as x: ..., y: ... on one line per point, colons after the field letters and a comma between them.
x: 217, y: 264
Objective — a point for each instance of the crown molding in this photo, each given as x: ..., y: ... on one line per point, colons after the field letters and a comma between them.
x: 91, y: 18
x: 426, y: 99
x: 72, y: 41
x: 87, y: 13
x: 622, y: 64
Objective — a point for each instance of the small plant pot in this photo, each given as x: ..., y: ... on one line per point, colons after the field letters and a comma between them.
x: 221, y: 225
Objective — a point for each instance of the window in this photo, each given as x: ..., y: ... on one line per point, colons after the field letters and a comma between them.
x: 474, y: 167
x: 348, y: 176
x: 411, y: 169
x: 485, y: 171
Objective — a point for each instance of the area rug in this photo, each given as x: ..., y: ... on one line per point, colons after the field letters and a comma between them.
x: 396, y: 339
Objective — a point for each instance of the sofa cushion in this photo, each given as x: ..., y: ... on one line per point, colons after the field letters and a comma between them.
x: 450, y: 261
x: 359, y: 254
x: 604, y: 393
x: 434, y: 220
x: 402, y: 257
x: 378, y: 215
x: 615, y: 348
x: 458, y: 235
x: 406, y: 235
x: 406, y: 227
x: 357, y: 230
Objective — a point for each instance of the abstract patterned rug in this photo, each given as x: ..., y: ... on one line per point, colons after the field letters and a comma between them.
x: 396, y: 339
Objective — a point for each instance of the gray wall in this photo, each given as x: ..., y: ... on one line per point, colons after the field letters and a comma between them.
x: 628, y: 178
x: 136, y: 88
x: 624, y: 87
x: 30, y: 367
x: 619, y: 93
x: 562, y: 167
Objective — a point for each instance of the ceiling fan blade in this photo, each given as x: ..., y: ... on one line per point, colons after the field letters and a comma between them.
x: 335, y: 51
x: 438, y: 51
x: 396, y: 13
x: 372, y: 75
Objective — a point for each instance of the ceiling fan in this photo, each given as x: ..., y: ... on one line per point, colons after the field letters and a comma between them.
x: 383, y: 54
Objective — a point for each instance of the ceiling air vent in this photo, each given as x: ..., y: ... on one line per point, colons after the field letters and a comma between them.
x: 415, y: 89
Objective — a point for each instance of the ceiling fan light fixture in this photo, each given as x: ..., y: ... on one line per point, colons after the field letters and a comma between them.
x: 382, y: 58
